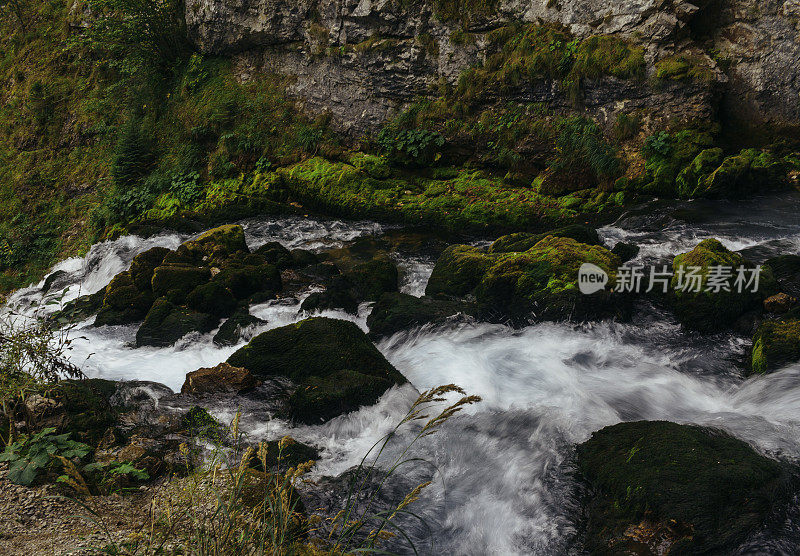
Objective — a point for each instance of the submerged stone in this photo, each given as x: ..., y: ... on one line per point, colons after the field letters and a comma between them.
x: 230, y: 333
x: 399, y: 311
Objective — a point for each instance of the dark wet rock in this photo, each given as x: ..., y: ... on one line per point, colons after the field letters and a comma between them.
x: 245, y: 278
x: 232, y: 330
x: 709, y: 310
x: 336, y: 367
x: 337, y: 295
x: 143, y: 266
x: 198, y: 423
x: 88, y: 411
x: 625, y: 251
x: 166, y: 323
x: 123, y: 303
x: 786, y: 269
x: 172, y: 279
x: 303, y: 257
x: 368, y: 267
x: 276, y: 254
x: 59, y: 276
x: 222, y: 378
x: 399, y: 311
x: 213, y: 299
x: 523, y: 241
x: 776, y: 344
x: 663, y: 488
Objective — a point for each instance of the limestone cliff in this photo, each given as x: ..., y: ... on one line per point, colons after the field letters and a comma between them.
x: 361, y: 60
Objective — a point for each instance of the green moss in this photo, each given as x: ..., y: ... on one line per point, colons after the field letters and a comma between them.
x: 688, y: 182
x: 709, y: 311
x: 685, y: 66
x: 213, y: 299
x: 707, y: 489
x: 667, y: 154
x: 775, y: 344
x: 544, y: 280
x: 336, y: 367
x: 522, y: 241
x: 143, y: 266
x: 458, y: 271
x: 183, y: 278
x: 88, y: 409
x: 244, y: 280
x: 218, y: 243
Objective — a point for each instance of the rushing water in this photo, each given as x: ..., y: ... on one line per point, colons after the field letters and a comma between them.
x: 504, y: 475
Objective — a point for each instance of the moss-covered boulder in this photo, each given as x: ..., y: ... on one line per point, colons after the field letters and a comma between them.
x: 213, y: 299
x: 368, y: 267
x: 750, y: 171
x: 233, y: 329
x: 166, y: 323
x: 458, y: 271
x: 706, y: 310
x: 276, y: 254
x: 776, y: 343
x: 522, y: 241
x: 87, y: 406
x: 338, y: 294
x: 662, y: 488
x: 399, y: 311
x: 690, y: 182
x: 216, y: 244
x: 247, y: 277
x: 143, y: 266
x: 336, y: 367
x: 123, y: 302
x: 177, y: 280
x: 543, y: 281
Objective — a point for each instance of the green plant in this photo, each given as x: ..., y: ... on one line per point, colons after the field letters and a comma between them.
x: 659, y: 144
x: 30, y: 455
x: 102, y: 477
x: 580, y: 144
x: 420, y: 147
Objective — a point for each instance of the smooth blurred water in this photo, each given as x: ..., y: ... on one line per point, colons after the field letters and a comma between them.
x: 504, y: 476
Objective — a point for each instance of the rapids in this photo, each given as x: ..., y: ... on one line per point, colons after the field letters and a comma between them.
x: 503, y: 470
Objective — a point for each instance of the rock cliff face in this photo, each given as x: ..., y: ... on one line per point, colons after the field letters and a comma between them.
x: 362, y: 60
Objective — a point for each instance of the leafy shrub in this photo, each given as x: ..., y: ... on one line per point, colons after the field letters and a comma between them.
x: 30, y: 455
x: 133, y: 156
x: 419, y: 147
x: 659, y: 144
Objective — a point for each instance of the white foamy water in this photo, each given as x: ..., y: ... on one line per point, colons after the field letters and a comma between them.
x: 503, y: 479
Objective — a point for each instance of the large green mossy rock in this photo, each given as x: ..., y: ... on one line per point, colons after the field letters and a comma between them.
x: 212, y: 299
x: 750, y: 171
x: 178, y: 279
x: 458, y: 270
x: 216, y: 244
x: 143, y: 266
x: 710, y: 311
x: 523, y: 241
x: 690, y: 182
x: 399, y: 311
x: 166, y: 323
x: 245, y: 280
x: 368, y: 267
x: 699, y: 490
x: 776, y: 343
x: 540, y: 282
x: 123, y: 302
x: 335, y: 365
x: 277, y: 255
